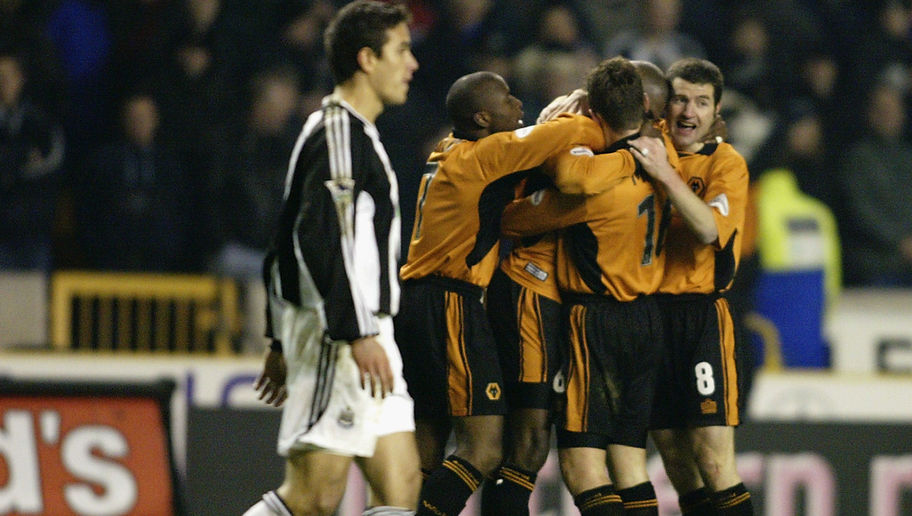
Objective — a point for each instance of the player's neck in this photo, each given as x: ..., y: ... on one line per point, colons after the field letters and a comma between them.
x: 361, y: 97
x: 612, y: 136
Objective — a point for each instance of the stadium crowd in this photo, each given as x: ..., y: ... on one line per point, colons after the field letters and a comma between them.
x: 155, y: 134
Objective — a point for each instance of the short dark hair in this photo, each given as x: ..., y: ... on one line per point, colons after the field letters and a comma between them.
x: 467, y: 96
x: 616, y: 93
x: 655, y: 85
x: 362, y: 23
x: 698, y: 71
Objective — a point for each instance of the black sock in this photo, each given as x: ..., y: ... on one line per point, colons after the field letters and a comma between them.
x: 696, y: 503
x: 448, y: 487
x: 734, y: 501
x: 601, y: 501
x: 640, y: 500
x: 508, y: 492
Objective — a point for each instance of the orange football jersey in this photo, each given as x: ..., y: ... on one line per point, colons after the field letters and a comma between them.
x: 719, y: 176
x: 532, y: 265
x: 610, y: 244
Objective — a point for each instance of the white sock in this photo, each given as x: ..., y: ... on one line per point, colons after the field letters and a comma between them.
x: 383, y: 510
x: 270, y: 505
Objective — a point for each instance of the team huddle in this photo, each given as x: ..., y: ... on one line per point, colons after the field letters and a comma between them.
x: 566, y: 275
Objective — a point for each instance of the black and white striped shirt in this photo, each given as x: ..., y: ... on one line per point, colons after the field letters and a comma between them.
x: 337, y: 245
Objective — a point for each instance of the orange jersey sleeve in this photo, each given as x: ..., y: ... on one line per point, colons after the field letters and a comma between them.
x: 527, y: 147
x: 579, y: 171
x: 719, y: 176
x: 462, y: 195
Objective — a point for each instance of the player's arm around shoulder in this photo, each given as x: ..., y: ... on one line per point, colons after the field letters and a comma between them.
x: 579, y: 171
x: 507, y: 152
x: 542, y: 211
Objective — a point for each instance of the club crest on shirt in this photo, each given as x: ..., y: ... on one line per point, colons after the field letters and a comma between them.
x: 346, y: 418
x: 493, y: 391
x: 697, y: 185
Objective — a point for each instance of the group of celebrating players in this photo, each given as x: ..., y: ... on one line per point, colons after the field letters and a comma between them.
x: 568, y: 274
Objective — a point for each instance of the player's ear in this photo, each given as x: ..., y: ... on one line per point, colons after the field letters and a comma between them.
x: 482, y: 119
x: 366, y: 58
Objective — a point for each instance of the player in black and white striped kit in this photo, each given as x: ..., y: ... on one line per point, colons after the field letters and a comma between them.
x: 332, y: 282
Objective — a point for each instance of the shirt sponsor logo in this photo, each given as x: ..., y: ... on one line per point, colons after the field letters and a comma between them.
x: 536, y: 271
x: 581, y: 151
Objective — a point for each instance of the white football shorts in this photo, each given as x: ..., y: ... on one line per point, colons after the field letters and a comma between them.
x: 326, y: 407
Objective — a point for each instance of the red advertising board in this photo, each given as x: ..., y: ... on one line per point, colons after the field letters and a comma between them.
x: 79, y: 449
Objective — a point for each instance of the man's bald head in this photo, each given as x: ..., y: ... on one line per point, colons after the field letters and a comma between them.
x: 480, y: 103
x: 654, y: 85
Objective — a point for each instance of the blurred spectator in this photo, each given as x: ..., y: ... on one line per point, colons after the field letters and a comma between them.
x: 296, y: 41
x: 230, y: 30
x: 81, y: 36
x: 555, y: 63
x: 875, y: 214
x: 800, y: 267
x: 31, y: 153
x: 469, y: 35
x: 884, y: 52
x: 250, y: 184
x: 141, y: 42
x: 198, y: 103
x: 756, y: 63
x: 659, y: 41
x: 749, y: 127
x: 22, y: 32
x: 133, y: 199
x: 807, y: 157
x: 819, y: 85
x: 605, y: 19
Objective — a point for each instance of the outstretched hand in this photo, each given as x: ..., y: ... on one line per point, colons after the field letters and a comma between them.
x: 718, y: 131
x: 271, y: 381
x: 576, y: 102
x: 373, y: 364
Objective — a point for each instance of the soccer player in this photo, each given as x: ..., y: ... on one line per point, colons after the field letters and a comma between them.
x: 528, y: 334
x: 697, y: 397
x: 447, y: 347
x: 333, y: 288
x: 609, y: 259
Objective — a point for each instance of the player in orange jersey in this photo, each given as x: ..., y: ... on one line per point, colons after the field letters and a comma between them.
x: 609, y: 261
x: 449, y: 353
x: 698, y: 400
x: 525, y: 314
